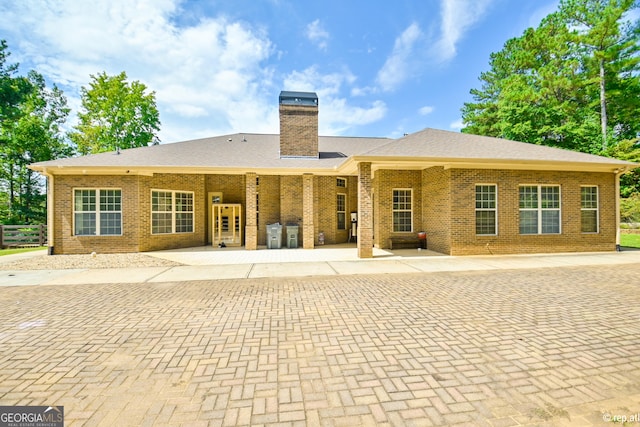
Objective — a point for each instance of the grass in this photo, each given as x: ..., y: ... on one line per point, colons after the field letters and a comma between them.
x: 19, y: 250
x: 630, y: 240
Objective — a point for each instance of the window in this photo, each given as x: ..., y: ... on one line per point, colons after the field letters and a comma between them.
x: 97, y: 212
x: 402, y: 211
x: 341, y: 182
x: 486, y: 209
x: 341, y: 203
x: 171, y: 212
x: 589, y: 209
x: 258, y: 209
x: 539, y: 209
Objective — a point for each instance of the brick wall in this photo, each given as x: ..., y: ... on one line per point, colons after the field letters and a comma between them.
x: 136, y: 214
x: 298, y: 131
x: 326, y: 205
x: 174, y: 182
x: 251, y: 211
x: 437, y: 195
x: 366, y: 209
x: 509, y: 240
x: 384, y: 183
x: 64, y: 242
x: 443, y: 206
x: 269, y: 207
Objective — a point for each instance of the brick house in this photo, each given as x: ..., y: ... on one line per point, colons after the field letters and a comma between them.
x: 470, y: 194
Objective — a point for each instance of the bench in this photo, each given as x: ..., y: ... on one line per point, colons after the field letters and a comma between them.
x: 412, y: 242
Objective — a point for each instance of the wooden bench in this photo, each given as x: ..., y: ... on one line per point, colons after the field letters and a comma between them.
x: 413, y: 242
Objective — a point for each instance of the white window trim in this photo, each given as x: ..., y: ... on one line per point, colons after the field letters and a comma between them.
x: 540, y: 209
x: 402, y: 210
x: 173, y: 211
x: 597, y: 209
x: 487, y: 209
x: 344, y: 211
x: 343, y: 180
x: 97, y: 211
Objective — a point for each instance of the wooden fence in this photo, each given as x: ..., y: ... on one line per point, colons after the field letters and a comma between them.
x: 22, y: 235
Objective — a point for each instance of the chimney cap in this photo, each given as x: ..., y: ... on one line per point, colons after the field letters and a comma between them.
x: 298, y: 98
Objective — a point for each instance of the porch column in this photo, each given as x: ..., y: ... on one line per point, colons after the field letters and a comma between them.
x: 251, y: 209
x: 307, y: 212
x: 365, y: 211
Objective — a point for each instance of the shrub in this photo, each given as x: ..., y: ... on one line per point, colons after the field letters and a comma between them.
x: 630, y: 209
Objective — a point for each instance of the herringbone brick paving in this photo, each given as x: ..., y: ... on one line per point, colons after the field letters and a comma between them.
x: 553, y: 346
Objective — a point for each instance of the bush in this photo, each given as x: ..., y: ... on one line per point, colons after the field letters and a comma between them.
x: 630, y: 209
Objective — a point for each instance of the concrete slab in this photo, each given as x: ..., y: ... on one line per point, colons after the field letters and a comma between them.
x: 372, y: 267
x: 287, y: 269
x: 203, y: 272
x: 108, y: 275
x: 448, y: 264
x: 33, y: 277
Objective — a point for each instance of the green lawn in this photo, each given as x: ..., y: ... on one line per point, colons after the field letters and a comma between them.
x: 18, y: 250
x: 630, y: 240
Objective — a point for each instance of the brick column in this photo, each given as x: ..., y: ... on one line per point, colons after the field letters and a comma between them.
x: 308, y: 237
x: 365, y: 211
x: 251, y: 227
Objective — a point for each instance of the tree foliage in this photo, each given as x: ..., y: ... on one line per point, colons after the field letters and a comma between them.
x: 115, y: 115
x: 572, y: 82
x: 31, y: 116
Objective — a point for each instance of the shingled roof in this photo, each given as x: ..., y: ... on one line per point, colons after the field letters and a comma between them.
x: 260, y: 152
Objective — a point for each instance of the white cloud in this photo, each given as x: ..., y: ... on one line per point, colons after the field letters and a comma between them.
x: 457, y: 125
x: 212, y: 70
x: 317, y: 34
x: 457, y: 17
x: 426, y: 110
x: 397, y: 67
x: 335, y: 115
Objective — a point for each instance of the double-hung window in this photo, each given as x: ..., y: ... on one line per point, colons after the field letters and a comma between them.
x: 402, y: 210
x: 589, y: 209
x: 97, y: 212
x: 171, y: 212
x: 540, y: 209
x: 486, y: 209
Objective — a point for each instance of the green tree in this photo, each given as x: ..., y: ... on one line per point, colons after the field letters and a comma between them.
x: 628, y: 150
x: 34, y: 134
x: 610, y: 50
x: 545, y: 87
x: 115, y: 115
x: 30, y: 119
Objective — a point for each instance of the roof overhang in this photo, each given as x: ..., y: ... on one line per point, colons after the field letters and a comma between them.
x: 403, y: 163
x: 349, y: 167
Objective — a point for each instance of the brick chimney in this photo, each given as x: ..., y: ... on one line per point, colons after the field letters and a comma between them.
x: 298, y: 124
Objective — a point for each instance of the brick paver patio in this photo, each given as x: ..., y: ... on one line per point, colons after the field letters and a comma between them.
x: 554, y: 346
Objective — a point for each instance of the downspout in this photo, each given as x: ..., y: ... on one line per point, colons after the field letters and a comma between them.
x: 619, y: 173
x: 50, y: 209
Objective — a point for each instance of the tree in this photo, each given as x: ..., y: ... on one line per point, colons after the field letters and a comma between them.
x: 115, y: 115
x: 543, y: 87
x: 31, y: 116
x: 628, y: 150
x: 609, y: 46
x: 34, y: 136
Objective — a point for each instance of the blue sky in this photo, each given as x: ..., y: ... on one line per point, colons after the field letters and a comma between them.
x: 380, y: 68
